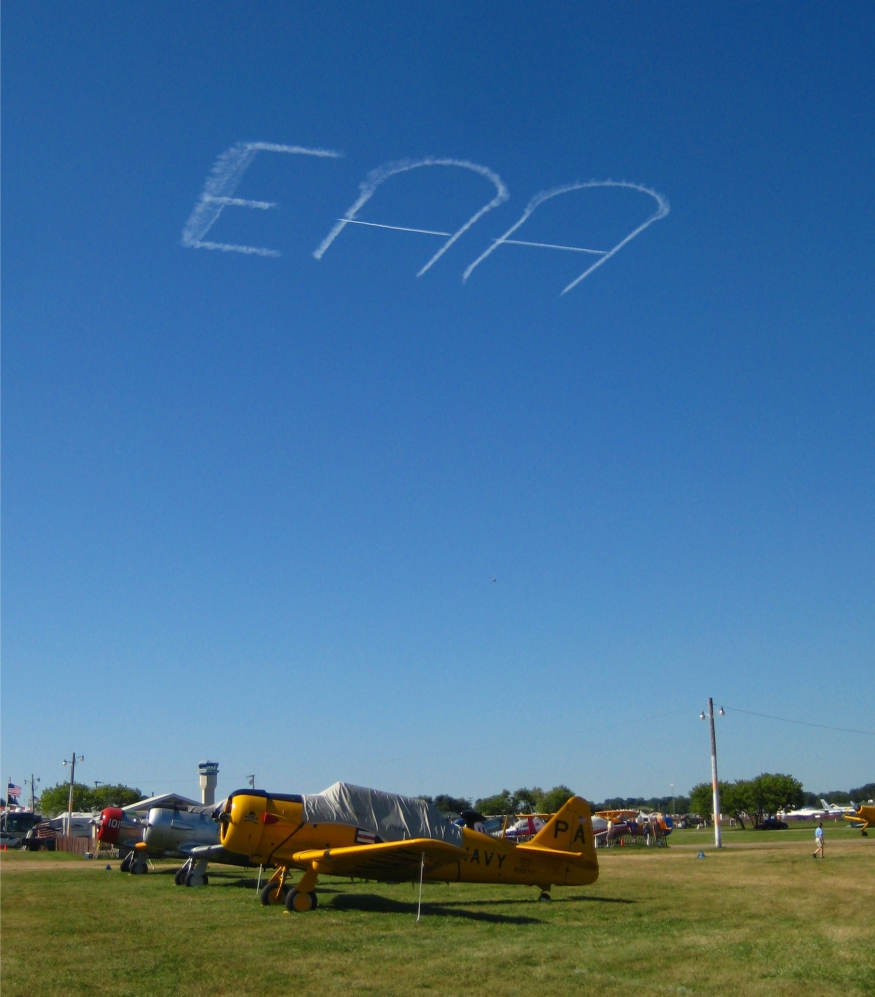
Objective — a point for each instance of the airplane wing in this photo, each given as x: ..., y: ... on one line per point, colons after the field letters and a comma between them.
x: 389, y: 861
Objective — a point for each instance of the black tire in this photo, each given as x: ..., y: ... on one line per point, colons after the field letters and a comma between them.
x: 126, y: 862
x: 271, y: 895
x: 179, y: 878
x: 544, y: 896
x: 139, y: 868
x: 297, y: 902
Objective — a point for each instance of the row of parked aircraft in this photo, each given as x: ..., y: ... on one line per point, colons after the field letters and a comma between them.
x: 824, y: 812
x: 354, y: 831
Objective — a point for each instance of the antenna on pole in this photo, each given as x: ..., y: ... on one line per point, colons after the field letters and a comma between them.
x: 72, y: 763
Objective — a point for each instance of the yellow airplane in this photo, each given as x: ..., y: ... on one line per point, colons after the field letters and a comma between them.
x: 862, y: 818
x: 352, y: 831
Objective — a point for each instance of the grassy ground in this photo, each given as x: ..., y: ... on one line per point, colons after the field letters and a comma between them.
x: 759, y: 917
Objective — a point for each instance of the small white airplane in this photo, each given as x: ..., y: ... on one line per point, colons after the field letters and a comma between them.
x: 835, y: 810
x: 804, y: 813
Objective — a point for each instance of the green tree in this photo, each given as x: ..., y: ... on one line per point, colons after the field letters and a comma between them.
x: 114, y: 796
x: 500, y: 804
x: 53, y: 800
x: 736, y: 799
x: 448, y: 804
x: 554, y: 799
x: 771, y: 792
x: 701, y: 799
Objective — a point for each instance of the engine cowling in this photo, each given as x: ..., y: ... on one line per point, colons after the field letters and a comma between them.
x: 111, y: 822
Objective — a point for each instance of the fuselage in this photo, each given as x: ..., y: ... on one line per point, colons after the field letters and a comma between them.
x: 167, y: 830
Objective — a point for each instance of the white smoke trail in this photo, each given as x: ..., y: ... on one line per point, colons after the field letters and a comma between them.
x: 382, y: 173
x: 226, y: 174
x: 661, y: 211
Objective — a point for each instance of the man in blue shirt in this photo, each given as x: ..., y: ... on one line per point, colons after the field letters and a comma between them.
x: 818, y: 839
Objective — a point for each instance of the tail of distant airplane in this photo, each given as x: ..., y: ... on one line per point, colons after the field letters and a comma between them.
x: 570, y: 830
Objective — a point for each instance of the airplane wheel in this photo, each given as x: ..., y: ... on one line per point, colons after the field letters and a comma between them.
x: 126, y: 862
x: 272, y: 894
x: 544, y: 895
x: 179, y: 878
x: 300, y: 903
x: 865, y: 834
x: 138, y: 869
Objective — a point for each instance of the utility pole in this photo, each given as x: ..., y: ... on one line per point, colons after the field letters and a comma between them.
x: 32, y: 793
x: 718, y: 843
x: 72, y: 764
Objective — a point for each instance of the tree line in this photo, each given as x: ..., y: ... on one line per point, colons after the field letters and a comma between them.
x: 53, y: 801
x: 745, y: 799
x: 750, y: 799
x: 524, y: 800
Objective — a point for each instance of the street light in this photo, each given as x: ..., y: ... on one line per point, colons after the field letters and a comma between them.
x: 32, y: 796
x: 715, y: 788
x: 72, y: 764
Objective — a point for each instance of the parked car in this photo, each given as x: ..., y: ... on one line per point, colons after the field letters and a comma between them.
x: 772, y: 824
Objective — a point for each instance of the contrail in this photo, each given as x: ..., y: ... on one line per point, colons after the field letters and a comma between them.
x: 394, y: 228
x: 550, y: 245
x: 382, y: 173
x: 226, y: 174
x: 545, y: 195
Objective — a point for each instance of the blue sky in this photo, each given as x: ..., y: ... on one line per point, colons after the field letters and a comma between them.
x: 253, y: 505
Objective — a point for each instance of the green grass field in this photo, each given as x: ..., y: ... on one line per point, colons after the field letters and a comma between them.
x: 759, y: 917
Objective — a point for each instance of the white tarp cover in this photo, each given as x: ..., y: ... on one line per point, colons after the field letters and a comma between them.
x: 390, y: 817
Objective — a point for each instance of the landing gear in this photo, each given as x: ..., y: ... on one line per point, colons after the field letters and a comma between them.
x: 301, y: 902
x: 126, y: 862
x: 544, y: 896
x: 197, y: 874
x: 273, y: 893
x: 139, y: 865
x: 179, y: 878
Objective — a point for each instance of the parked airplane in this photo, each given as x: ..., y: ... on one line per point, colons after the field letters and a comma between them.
x: 123, y: 827
x: 862, y: 818
x: 804, y: 813
x: 526, y: 827
x: 188, y: 833
x: 352, y: 831
x: 835, y: 810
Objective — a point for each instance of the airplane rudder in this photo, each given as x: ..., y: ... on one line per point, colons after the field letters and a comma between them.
x: 569, y: 829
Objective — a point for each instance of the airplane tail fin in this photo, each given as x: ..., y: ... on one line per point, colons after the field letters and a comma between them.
x: 569, y: 830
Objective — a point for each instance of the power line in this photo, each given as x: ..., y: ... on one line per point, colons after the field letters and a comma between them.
x: 802, y: 723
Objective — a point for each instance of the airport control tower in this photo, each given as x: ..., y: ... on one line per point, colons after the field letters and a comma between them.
x: 209, y: 772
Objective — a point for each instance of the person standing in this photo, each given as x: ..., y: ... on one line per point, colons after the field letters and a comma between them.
x: 818, y: 841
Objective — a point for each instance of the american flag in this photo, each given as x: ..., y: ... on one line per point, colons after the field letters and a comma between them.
x: 13, y: 790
